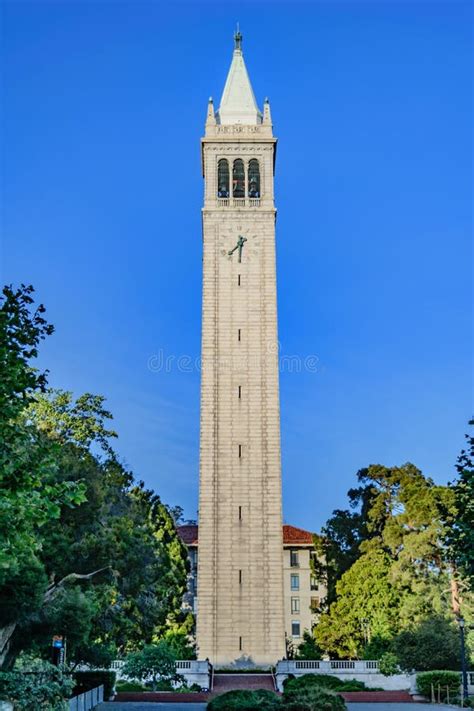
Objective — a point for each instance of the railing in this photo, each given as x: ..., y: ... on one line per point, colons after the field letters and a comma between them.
x: 361, y: 666
x: 238, y: 202
x: 342, y: 665
x: 183, y: 665
x: 117, y: 664
x: 88, y: 700
x: 307, y: 665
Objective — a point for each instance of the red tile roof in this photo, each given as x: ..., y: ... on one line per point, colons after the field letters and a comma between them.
x: 291, y: 536
x: 299, y: 536
x: 188, y: 534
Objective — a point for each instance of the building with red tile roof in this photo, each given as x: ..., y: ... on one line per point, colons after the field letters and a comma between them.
x: 303, y: 593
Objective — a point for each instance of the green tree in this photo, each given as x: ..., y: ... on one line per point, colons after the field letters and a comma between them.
x: 117, y: 556
x: 401, y: 553
x: 308, y: 649
x: 432, y: 644
x: 367, y: 607
x: 181, y: 644
x: 338, y: 545
x: 29, y: 498
x: 155, y: 662
x: 460, y: 524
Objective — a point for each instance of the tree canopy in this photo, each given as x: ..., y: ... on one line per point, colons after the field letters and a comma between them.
x: 388, y: 566
x: 88, y: 552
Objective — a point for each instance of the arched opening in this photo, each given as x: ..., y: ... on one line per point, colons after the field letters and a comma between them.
x: 254, y: 179
x: 238, y: 179
x: 223, y: 178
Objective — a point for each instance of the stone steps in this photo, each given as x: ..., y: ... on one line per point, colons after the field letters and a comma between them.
x: 230, y: 682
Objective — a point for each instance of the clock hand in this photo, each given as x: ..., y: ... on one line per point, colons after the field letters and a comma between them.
x: 239, y: 245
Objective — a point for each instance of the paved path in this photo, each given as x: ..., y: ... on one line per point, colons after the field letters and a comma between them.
x: 135, y: 706
x: 397, y: 707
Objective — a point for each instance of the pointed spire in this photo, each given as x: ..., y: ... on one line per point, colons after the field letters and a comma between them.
x: 267, y: 114
x: 238, y: 103
x: 211, y: 117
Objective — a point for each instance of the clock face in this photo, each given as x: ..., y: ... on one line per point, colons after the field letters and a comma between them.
x: 230, y: 239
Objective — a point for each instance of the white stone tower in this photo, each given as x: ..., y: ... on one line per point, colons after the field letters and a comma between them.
x: 240, y: 568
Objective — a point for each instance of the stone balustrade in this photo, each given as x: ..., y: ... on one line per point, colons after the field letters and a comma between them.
x: 238, y: 202
x: 359, y: 669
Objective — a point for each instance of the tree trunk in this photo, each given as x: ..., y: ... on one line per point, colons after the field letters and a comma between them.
x: 455, y: 599
x: 6, y: 634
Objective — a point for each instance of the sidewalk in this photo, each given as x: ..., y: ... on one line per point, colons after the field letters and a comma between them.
x: 137, y: 706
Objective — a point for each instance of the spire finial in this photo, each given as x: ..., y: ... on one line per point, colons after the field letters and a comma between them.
x: 238, y: 39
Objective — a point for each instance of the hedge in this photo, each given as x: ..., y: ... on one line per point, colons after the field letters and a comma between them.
x: 438, y: 679
x: 86, y: 680
x: 246, y: 700
x: 130, y: 686
x: 315, y: 699
x: 312, y: 699
x: 323, y: 681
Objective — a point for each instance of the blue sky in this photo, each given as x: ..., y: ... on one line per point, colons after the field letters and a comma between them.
x: 105, y: 103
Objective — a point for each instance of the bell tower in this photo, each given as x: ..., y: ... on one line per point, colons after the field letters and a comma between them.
x: 240, y: 613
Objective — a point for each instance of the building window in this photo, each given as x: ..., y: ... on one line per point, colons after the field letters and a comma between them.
x: 238, y: 179
x: 254, y: 179
x: 240, y: 392
x: 240, y: 577
x: 295, y: 628
x: 239, y: 334
x: 223, y: 178
x: 240, y: 513
x: 240, y: 451
x: 295, y: 604
x: 314, y: 583
x: 294, y: 562
x: 295, y: 581
x: 240, y: 643
x: 238, y: 280
x: 315, y: 604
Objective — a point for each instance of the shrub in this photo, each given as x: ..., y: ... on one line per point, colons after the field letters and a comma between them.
x: 246, y: 700
x: 160, y: 685
x: 438, y: 679
x: 129, y: 686
x: 41, y: 687
x: 86, y: 680
x: 323, y: 681
x: 313, y: 699
x: 311, y: 680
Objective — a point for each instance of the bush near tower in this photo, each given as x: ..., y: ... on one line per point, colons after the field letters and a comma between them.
x: 300, y: 697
